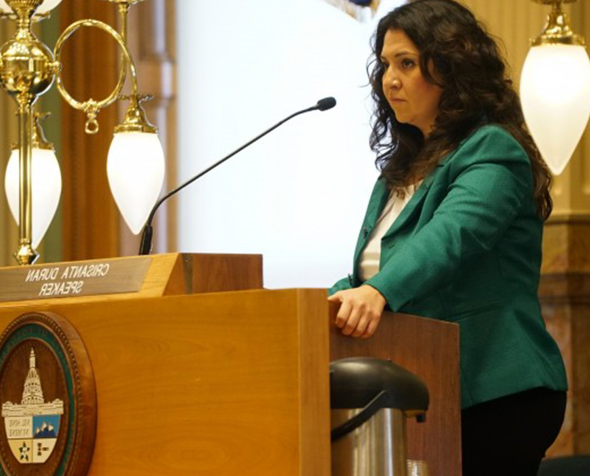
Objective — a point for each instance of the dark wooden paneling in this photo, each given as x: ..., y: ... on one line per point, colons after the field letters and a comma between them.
x: 564, y: 292
x: 90, y: 70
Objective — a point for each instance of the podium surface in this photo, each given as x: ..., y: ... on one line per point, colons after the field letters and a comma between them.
x: 233, y: 382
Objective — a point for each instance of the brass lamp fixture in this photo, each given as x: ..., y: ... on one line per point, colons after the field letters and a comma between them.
x: 28, y: 69
x: 555, y: 88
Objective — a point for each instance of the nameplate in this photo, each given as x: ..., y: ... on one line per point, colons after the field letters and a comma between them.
x: 80, y: 278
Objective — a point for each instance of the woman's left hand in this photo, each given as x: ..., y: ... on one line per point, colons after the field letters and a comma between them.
x: 360, y: 310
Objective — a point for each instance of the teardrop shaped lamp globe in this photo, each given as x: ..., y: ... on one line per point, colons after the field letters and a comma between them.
x: 46, y: 182
x: 135, y: 168
x: 4, y: 8
x: 555, y: 96
x: 47, y: 6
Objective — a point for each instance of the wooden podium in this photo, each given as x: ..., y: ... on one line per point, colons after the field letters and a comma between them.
x: 203, y: 372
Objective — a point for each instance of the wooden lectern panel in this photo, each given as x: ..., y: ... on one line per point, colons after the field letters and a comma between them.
x: 430, y: 349
x: 211, y: 384
x: 209, y: 273
x: 236, y: 382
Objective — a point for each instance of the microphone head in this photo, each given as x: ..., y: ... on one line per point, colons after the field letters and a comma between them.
x: 326, y: 103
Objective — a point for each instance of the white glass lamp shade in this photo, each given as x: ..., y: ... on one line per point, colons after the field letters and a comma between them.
x: 555, y: 95
x: 46, y: 178
x: 135, y: 168
x: 45, y: 7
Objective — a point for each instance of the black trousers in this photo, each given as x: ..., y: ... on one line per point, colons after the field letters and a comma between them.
x: 509, y: 436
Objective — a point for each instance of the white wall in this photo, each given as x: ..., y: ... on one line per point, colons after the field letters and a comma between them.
x: 298, y: 195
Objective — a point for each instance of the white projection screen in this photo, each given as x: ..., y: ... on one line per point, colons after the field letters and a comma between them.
x: 297, y: 196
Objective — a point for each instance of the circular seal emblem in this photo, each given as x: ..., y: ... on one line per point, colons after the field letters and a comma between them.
x: 48, y: 398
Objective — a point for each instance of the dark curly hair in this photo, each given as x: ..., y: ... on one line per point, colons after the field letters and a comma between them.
x: 468, y: 66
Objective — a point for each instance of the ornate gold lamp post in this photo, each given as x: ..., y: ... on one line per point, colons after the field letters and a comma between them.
x: 28, y: 69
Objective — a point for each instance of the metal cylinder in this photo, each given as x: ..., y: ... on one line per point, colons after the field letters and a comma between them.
x: 376, y: 448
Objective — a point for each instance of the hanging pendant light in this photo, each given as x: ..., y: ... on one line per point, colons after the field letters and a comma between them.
x: 28, y: 68
x: 555, y: 88
x: 135, y: 166
x: 46, y: 180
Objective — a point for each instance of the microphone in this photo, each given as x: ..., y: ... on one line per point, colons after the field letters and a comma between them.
x: 146, y: 237
x: 325, y: 104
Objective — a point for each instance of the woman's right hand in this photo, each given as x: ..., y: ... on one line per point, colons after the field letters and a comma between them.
x: 360, y: 310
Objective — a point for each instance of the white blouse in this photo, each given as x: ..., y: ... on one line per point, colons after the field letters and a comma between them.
x: 369, y: 260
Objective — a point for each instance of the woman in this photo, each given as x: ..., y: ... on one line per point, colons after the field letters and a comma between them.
x: 453, y: 229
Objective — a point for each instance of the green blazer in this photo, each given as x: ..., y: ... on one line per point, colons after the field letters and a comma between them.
x: 467, y: 249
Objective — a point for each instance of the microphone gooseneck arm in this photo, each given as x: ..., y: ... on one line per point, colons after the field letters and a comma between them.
x: 145, y: 245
